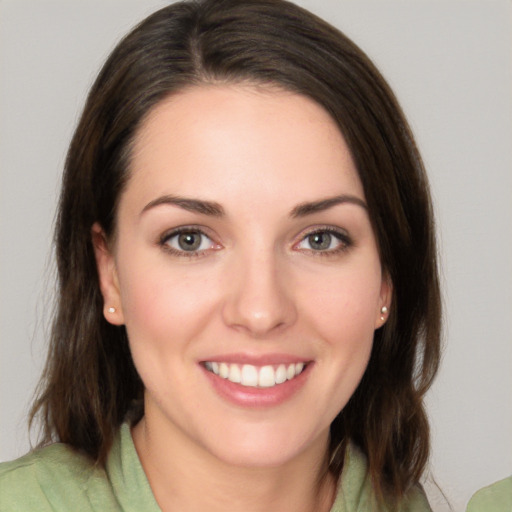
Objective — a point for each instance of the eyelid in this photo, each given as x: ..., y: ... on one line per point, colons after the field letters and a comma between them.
x: 341, y: 234
x: 164, y: 238
x: 188, y: 228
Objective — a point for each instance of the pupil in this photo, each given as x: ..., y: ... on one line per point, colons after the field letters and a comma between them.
x: 189, y: 241
x: 320, y: 241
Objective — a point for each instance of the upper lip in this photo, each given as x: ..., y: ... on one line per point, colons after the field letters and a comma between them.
x: 257, y: 359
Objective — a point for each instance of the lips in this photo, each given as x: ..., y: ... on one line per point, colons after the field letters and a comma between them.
x: 252, y: 376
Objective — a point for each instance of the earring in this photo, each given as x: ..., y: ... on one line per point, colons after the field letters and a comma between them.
x: 111, y: 310
x: 383, y: 311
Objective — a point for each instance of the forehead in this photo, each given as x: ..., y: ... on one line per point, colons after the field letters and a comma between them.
x: 241, y: 139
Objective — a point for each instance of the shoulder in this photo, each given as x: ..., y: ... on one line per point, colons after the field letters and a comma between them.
x: 355, y: 490
x: 60, y: 479
x: 495, y: 497
x: 52, y: 478
x: 57, y: 459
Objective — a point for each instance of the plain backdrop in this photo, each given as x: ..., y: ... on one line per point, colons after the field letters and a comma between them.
x: 449, y: 63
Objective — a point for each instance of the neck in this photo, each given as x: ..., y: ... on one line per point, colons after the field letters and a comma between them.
x: 184, y: 477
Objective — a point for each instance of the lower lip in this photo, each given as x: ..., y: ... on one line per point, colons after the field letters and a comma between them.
x: 246, y: 396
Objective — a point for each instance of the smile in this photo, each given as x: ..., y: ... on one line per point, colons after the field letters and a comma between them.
x: 249, y: 375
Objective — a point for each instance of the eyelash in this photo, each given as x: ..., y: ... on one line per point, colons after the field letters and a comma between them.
x: 192, y: 230
x: 345, y: 242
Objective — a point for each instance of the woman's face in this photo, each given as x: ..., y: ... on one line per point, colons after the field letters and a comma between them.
x: 246, y: 272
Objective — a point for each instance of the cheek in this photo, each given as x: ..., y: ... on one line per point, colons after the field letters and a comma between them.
x: 346, y: 303
x: 348, y: 326
x: 160, y: 305
x: 164, y: 313
x: 343, y: 314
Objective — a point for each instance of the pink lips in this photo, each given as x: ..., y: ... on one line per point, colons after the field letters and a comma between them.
x: 252, y: 395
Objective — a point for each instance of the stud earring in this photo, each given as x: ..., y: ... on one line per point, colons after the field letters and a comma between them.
x: 111, y: 310
x: 383, y: 311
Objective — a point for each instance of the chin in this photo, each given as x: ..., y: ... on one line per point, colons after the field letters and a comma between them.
x: 255, y: 457
x: 266, y: 451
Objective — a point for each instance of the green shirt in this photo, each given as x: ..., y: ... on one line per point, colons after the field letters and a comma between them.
x: 57, y: 478
x: 493, y: 498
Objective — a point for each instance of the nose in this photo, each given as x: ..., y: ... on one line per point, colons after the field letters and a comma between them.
x: 259, y: 298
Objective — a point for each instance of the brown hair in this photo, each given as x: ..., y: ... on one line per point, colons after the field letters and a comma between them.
x: 90, y: 382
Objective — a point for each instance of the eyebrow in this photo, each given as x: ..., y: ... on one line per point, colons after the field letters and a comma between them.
x: 214, y: 209
x: 192, y: 205
x: 305, y: 209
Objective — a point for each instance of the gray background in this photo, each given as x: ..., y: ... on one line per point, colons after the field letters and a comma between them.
x: 449, y: 63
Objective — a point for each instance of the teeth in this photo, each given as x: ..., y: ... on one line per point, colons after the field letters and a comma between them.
x: 253, y: 376
x: 281, y: 374
x: 267, y: 377
x: 249, y: 375
x: 235, y: 375
x: 223, y: 370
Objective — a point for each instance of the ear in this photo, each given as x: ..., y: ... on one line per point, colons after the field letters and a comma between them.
x: 107, y: 275
x: 385, y: 299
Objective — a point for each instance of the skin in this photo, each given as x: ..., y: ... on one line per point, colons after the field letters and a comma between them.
x: 257, y: 286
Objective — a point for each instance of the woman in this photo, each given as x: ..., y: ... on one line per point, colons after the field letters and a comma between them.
x: 249, y: 307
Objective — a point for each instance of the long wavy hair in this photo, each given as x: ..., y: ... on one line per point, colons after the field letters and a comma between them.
x: 90, y: 383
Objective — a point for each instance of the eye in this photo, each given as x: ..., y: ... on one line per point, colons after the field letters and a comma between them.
x: 325, y: 240
x: 187, y: 242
